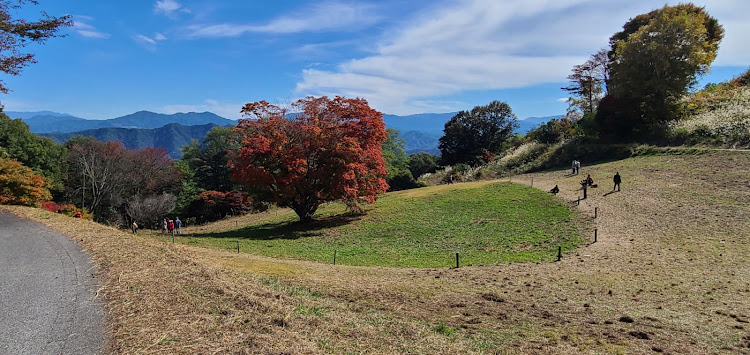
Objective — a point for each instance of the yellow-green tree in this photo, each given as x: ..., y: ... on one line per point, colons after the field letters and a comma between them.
x: 19, y: 185
x: 659, y: 55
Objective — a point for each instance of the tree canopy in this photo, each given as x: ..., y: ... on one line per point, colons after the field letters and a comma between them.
x: 658, y: 56
x: 326, y: 150
x: 471, y: 136
x: 19, y: 185
x: 40, y: 154
x: 16, y: 33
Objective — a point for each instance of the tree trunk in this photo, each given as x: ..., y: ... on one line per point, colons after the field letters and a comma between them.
x: 305, y: 211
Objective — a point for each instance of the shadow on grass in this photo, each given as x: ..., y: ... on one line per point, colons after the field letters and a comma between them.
x: 284, y: 230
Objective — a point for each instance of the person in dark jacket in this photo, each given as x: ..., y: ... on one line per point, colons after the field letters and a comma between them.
x: 617, y: 181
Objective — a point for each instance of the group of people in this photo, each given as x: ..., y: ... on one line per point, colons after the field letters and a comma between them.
x: 589, y: 181
x: 167, y: 226
x: 171, y: 226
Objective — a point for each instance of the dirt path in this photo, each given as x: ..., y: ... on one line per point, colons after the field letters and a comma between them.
x: 47, y: 303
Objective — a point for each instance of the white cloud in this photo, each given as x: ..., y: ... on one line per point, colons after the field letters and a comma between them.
x: 149, y: 42
x: 86, y: 30
x: 169, y: 8
x: 223, y: 109
x: 562, y: 99
x: 325, y: 16
x: 491, y: 45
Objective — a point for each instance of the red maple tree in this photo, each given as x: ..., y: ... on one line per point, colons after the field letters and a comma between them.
x: 317, y: 151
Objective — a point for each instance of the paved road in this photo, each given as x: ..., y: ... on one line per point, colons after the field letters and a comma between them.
x: 47, y: 293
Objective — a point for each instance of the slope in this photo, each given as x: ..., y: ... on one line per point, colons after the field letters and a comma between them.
x: 669, y: 273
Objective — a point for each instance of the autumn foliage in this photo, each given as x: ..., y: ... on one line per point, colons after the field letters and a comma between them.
x: 19, y: 185
x: 322, y: 150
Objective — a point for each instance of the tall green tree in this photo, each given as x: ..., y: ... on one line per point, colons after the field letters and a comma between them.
x: 657, y: 57
x: 17, y: 33
x: 208, y: 159
x: 471, y: 136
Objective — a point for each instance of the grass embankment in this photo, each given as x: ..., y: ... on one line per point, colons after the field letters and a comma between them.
x: 486, y: 223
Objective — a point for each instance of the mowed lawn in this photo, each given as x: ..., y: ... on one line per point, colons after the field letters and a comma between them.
x: 485, y: 222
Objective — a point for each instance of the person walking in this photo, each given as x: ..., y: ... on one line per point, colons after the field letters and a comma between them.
x: 178, y: 225
x: 134, y: 227
x: 164, y: 226
x: 617, y: 181
x: 170, y: 226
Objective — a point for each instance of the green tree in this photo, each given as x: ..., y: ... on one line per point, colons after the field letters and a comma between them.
x: 208, y: 160
x: 471, y: 136
x: 422, y: 163
x: 40, y: 154
x: 657, y: 57
x: 16, y: 33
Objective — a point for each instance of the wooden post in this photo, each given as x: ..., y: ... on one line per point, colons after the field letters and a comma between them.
x: 456, y: 260
x: 596, y: 212
x: 595, y: 234
x: 559, y: 253
x: 238, y: 247
x: 334, y: 257
x: 235, y: 223
x: 579, y: 201
x: 172, y: 238
x: 532, y: 182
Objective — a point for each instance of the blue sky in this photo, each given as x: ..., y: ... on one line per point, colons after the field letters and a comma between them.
x: 404, y: 57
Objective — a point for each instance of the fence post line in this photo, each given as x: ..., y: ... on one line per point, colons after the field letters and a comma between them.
x: 456, y: 260
x: 532, y: 182
x: 334, y: 257
x: 595, y: 234
x: 559, y: 253
x: 238, y: 247
x: 596, y: 212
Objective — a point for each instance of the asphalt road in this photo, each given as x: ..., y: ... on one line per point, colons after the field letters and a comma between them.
x: 47, y: 293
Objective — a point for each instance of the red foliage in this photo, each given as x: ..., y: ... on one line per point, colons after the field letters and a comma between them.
x: 330, y: 150
x: 51, y: 206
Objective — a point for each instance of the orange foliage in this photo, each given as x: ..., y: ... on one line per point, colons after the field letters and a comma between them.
x: 330, y: 150
x: 19, y: 185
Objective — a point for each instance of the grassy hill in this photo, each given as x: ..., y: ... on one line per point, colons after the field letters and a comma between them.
x: 487, y: 223
x: 670, y: 273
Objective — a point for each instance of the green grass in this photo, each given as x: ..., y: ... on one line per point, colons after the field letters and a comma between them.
x: 484, y: 223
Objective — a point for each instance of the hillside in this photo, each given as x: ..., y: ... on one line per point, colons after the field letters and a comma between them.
x: 421, y: 227
x: 668, y: 274
x: 717, y: 114
x: 171, y: 137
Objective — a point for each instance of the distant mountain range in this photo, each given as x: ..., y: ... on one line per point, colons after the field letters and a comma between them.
x: 50, y: 122
x: 171, y: 137
x: 148, y: 129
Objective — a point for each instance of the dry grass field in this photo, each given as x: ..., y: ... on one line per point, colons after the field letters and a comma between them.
x: 670, y: 273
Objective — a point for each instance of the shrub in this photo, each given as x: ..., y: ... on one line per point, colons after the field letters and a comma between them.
x: 19, y: 185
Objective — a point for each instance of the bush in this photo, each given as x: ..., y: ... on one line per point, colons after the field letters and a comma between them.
x: 403, y: 180
x: 19, y: 185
